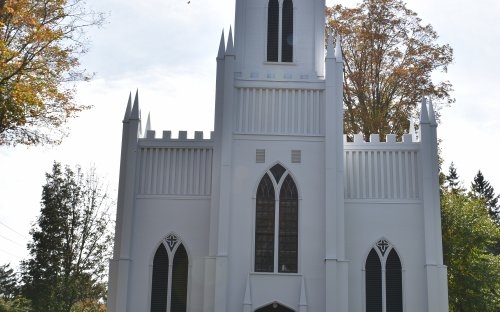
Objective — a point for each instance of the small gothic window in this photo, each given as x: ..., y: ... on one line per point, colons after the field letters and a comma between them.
x: 377, y: 285
x: 287, y: 32
x: 276, y: 223
x: 272, y: 30
x: 170, y: 276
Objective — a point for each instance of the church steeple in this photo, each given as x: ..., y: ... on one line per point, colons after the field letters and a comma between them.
x: 280, y: 39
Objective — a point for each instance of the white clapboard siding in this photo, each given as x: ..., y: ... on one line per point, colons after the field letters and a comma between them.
x: 279, y: 111
x: 381, y: 174
x: 175, y: 171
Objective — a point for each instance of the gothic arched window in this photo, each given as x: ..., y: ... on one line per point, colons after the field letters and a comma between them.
x: 383, y: 279
x: 287, y: 31
x: 276, y: 223
x: 280, y: 44
x: 273, y: 14
x: 170, y: 276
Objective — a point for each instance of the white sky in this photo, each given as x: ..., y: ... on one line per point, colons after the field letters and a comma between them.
x: 167, y: 49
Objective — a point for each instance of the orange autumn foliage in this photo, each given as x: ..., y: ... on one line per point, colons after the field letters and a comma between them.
x: 40, y: 44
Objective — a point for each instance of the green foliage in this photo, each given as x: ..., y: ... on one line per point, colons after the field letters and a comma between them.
x: 9, y: 287
x: 469, y: 234
x: 40, y: 45
x: 389, y: 58
x: 18, y: 304
x: 70, y: 242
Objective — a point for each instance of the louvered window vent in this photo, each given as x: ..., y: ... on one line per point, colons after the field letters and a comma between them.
x: 296, y: 156
x: 260, y: 156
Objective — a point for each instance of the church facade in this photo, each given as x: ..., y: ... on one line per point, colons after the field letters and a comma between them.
x: 276, y: 210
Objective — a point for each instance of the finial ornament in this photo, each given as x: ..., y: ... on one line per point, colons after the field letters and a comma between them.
x: 432, y: 115
x: 330, y: 50
x: 222, y: 44
x: 129, y: 108
x: 338, y: 48
x: 424, y: 115
x: 148, y: 123
x: 135, y: 109
x: 230, y: 45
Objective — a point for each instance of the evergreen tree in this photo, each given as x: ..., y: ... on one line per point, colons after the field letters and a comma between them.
x: 70, y: 242
x: 452, y: 182
x: 8, y: 282
x: 481, y: 188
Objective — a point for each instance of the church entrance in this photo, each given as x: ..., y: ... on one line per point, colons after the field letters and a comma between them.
x: 274, y: 307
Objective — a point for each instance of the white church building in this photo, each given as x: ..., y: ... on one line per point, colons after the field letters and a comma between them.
x: 277, y: 211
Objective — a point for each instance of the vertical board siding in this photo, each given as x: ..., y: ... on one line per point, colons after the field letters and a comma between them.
x: 381, y: 174
x: 175, y: 171
x: 279, y: 111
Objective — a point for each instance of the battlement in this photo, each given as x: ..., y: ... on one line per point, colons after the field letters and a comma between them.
x: 407, y: 138
x: 182, y: 136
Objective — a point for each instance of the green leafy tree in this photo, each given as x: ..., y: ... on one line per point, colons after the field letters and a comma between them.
x: 40, y: 45
x: 482, y: 189
x: 18, y: 304
x: 389, y: 58
x: 70, y: 242
x: 9, y: 287
x: 469, y: 235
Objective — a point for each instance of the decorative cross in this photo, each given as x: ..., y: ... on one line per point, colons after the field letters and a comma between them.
x: 171, y: 241
x: 383, y: 245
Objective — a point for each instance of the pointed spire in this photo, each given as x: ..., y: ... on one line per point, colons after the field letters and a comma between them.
x: 220, y: 54
x: 411, y: 128
x: 140, y: 123
x: 148, y: 123
x: 135, y: 109
x: 230, y: 45
x: 424, y: 116
x: 338, y: 49
x: 432, y: 115
x: 330, y: 51
x: 129, y: 107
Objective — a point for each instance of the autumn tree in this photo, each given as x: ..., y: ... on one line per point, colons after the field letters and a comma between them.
x: 70, y: 244
x: 40, y: 45
x: 389, y: 56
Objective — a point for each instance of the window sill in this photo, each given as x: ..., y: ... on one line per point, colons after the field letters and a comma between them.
x: 281, y: 63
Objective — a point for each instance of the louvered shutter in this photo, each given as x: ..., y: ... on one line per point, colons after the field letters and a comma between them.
x: 393, y: 283
x: 179, y: 280
x: 373, y: 276
x: 159, y: 287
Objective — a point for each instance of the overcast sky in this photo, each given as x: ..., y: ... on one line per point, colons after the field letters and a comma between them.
x: 167, y: 50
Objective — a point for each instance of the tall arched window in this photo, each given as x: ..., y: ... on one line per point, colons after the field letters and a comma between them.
x: 383, y: 279
x: 276, y: 223
x: 273, y: 20
x: 170, y: 276
x: 287, y: 32
x: 280, y: 31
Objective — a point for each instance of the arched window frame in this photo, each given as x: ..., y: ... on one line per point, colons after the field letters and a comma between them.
x: 280, y: 39
x: 378, y: 247
x: 171, y: 243
x: 277, y: 190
